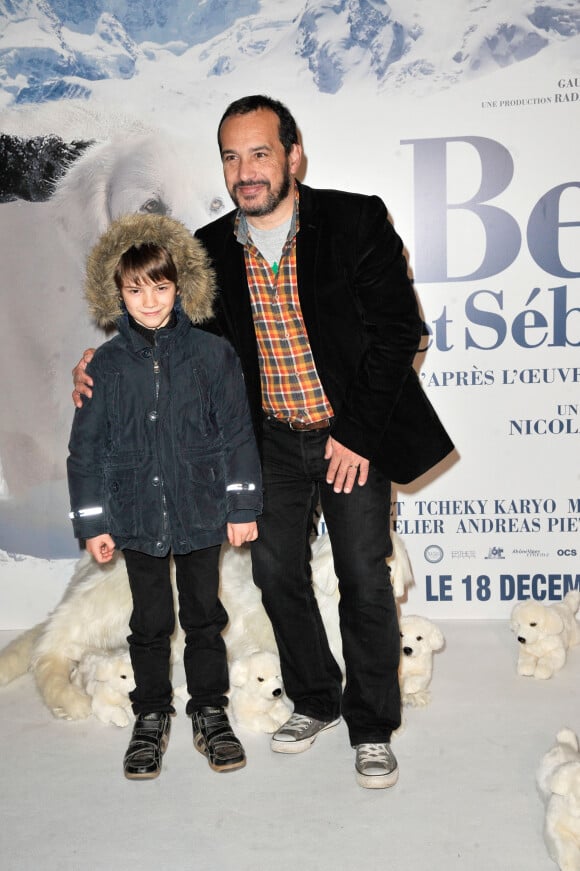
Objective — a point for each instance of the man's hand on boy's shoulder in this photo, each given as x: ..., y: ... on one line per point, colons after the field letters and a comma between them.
x: 82, y: 381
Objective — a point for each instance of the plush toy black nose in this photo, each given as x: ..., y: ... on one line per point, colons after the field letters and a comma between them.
x: 521, y: 640
x: 407, y: 651
x: 277, y: 693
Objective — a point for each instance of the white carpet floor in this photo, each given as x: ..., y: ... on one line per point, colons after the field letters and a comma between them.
x: 466, y: 797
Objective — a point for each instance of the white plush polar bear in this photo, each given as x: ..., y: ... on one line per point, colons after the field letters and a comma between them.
x: 558, y: 780
x: 95, y: 610
x: 565, y: 749
x: 419, y: 638
x: 562, y: 825
x: 544, y: 633
x: 92, y: 616
x: 257, y: 693
x: 107, y: 678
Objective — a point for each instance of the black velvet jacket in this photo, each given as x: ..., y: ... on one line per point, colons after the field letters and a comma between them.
x: 363, y: 324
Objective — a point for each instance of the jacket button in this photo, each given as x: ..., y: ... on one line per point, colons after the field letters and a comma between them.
x: 153, y: 415
x: 147, y: 352
x: 159, y: 545
x: 155, y: 481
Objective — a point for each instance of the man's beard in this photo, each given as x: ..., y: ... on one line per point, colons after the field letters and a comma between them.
x: 272, y: 201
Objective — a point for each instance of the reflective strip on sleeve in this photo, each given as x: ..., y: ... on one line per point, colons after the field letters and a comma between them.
x: 85, y: 512
x: 240, y: 487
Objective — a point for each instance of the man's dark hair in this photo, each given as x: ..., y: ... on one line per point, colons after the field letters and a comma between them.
x: 287, y: 129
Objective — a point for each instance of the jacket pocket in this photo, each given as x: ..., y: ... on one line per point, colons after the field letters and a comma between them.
x: 205, y: 501
x: 121, y: 495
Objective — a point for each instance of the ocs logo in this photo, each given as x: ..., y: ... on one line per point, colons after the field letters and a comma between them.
x: 567, y: 551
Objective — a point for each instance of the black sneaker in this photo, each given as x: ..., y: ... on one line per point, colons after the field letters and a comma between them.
x: 213, y: 736
x: 148, y: 744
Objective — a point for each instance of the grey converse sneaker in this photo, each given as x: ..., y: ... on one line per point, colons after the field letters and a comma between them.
x: 376, y: 766
x: 298, y: 733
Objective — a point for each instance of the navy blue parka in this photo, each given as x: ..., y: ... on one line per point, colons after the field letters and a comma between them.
x: 163, y: 455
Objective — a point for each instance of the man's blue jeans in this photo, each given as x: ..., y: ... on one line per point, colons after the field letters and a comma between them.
x: 294, y: 474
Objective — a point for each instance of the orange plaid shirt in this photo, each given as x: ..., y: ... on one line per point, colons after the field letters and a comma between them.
x: 291, y: 388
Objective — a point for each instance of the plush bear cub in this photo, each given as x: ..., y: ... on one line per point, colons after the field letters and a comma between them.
x: 257, y: 694
x: 107, y: 678
x: 544, y: 633
x: 419, y: 639
x: 558, y: 781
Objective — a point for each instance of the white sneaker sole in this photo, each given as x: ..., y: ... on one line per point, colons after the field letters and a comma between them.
x: 377, y: 781
x: 279, y: 745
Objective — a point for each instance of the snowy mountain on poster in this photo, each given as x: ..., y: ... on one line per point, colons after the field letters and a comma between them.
x: 55, y: 49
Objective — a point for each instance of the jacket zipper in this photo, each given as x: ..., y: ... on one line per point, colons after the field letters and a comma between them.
x: 156, y: 385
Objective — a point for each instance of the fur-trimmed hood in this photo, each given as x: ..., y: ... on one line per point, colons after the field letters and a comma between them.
x: 196, y: 278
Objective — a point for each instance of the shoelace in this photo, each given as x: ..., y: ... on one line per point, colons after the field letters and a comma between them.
x: 374, y: 753
x: 298, y: 723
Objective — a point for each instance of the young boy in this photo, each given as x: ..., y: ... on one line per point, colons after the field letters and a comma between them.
x: 163, y: 462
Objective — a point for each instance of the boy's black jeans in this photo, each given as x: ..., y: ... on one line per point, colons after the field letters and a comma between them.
x: 202, y: 618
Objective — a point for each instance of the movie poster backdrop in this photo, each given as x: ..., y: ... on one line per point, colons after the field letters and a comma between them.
x: 473, y: 146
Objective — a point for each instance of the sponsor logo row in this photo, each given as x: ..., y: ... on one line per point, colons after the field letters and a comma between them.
x: 434, y: 553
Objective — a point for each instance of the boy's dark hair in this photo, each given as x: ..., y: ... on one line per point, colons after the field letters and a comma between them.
x: 287, y: 129
x: 152, y: 261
